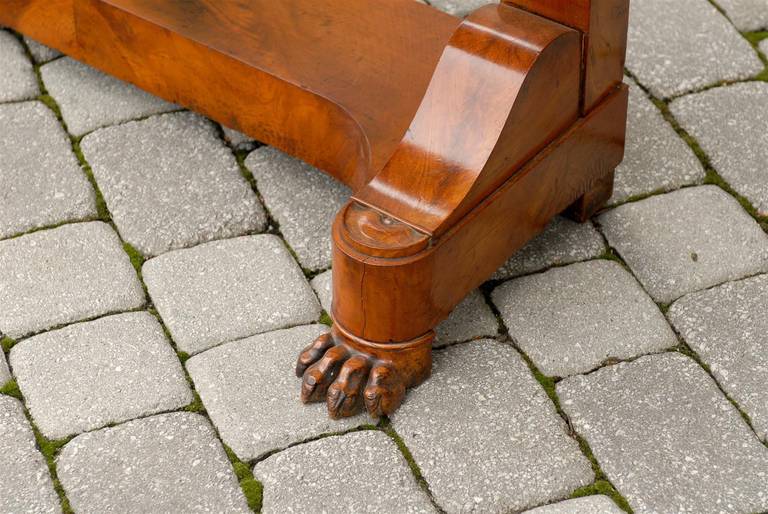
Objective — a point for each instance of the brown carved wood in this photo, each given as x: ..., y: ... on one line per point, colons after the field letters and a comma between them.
x: 603, y: 25
x: 460, y: 138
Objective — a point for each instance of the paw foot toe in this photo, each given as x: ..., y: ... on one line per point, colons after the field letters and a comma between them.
x: 320, y: 375
x: 345, y: 395
x: 384, y: 393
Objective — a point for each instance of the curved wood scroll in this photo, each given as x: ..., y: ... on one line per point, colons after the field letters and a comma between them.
x: 505, y: 86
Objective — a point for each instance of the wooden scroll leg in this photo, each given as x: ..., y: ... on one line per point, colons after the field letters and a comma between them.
x: 392, y: 283
x: 481, y: 170
x: 381, y: 341
x: 593, y: 200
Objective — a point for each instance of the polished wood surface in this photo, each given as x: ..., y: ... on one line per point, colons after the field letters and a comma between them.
x: 334, y: 82
x: 603, y: 24
x: 51, y: 22
x: 425, y: 285
x: 522, y: 72
x: 460, y: 138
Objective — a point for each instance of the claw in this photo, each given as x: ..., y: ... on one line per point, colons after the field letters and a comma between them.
x: 384, y: 393
x: 313, y: 352
x: 344, y: 395
x: 322, y: 373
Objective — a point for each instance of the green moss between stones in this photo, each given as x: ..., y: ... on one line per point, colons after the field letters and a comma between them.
x: 712, y: 176
x: 326, y: 319
x: 196, y: 405
x: 756, y: 37
x: 688, y: 352
x: 386, y: 426
x: 52, y: 105
x: 183, y: 356
x: 7, y: 343
x: 252, y: 488
x: 101, y: 204
x: 549, y: 384
x: 640, y: 196
x: 12, y: 389
x: 610, y: 254
x: 605, y: 488
x: 50, y: 448
x: 137, y: 259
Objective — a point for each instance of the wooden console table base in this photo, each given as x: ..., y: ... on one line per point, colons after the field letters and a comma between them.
x: 461, y: 139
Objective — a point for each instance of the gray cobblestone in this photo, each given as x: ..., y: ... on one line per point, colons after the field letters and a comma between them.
x: 675, y: 47
x: 40, y: 52
x: 25, y: 485
x: 230, y: 289
x: 323, y: 286
x: 238, y: 140
x: 459, y: 7
x: 17, y: 78
x: 730, y: 125
x: 655, y: 158
x: 562, y: 242
x: 486, y: 436
x: 371, y: 477
x: 747, y: 15
x: 667, y: 438
x: 727, y: 327
x: 569, y: 320
x: 90, y: 99
x: 764, y: 46
x: 686, y: 240
x: 167, y: 463
x: 40, y: 180
x: 587, y: 505
x: 63, y: 275
x: 302, y: 199
x: 250, y: 392
x: 169, y: 182
x: 471, y: 319
x: 88, y: 375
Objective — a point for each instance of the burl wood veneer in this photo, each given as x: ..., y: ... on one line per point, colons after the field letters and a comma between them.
x: 461, y: 139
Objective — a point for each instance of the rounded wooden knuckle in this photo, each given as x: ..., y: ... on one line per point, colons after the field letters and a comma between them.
x: 372, y: 232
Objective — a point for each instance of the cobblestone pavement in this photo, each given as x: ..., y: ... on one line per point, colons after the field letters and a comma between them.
x: 159, y: 272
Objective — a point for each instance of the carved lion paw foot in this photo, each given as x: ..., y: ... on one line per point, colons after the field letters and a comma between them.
x: 348, y: 379
x: 350, y: 373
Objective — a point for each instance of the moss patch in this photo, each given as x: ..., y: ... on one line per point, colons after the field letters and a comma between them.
x: 756, y: 37
x: 50, y: 449
x: 196, y: 405
x: 252, y: 488
x: 326, y: 319
x: 610, y: 254
x: 605, y: 488
x: 183, y: 356
x: 12, y: 389
x: 137, y: 259
x: 7, y: 343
